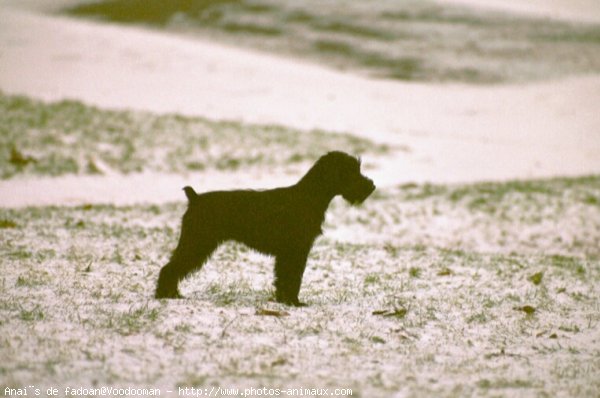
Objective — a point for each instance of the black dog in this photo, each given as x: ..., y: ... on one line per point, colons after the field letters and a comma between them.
x: 282, y: 222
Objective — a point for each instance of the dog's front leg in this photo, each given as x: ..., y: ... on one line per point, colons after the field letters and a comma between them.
x: 289, y: 269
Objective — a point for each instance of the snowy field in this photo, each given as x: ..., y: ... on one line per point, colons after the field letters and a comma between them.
x: 473, y: 269
x: 485, y: 289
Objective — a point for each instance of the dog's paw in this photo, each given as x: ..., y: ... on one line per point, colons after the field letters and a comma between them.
x: 168, y: 295
x: 291, y: 302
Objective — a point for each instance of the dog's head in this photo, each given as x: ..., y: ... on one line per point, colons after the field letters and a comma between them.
x: 342, y: 173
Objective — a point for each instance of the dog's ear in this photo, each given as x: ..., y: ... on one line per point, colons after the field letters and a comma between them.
x: 190, y: 193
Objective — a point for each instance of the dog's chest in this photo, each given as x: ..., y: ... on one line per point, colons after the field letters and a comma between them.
x: 299, y: 219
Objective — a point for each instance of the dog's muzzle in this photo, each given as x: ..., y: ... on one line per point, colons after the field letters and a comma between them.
x: 370, y: 187
x: 360, y: 192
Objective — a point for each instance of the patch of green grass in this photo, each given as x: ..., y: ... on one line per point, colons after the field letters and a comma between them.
x: 6, y: 223
x: 372, y: 279
x: 381, y: 38
x: 333, y: 47
x: 480, y: 317
x: 352, y: 29
x: 250, y: 29
x: 591, y: 199
x: 568, y: 262
x: 19, y: 253
x: 133, y: 320
x: 232, y: 293
x: 69, y: 137
x: 32, y: 279
x: 479, y: 195
x: 536, y: 278
x: 589, y: 35
x: 506, y: 384
x: 414, y: 272
x: 495, y: 192
x: 419, y: 192
x: 153, y: 11
x: 35, y: 314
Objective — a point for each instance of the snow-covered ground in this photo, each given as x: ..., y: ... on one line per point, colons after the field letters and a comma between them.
x: 428, y: 298
x: 454, y: 133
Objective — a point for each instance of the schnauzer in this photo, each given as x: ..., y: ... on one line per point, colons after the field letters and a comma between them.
x: 282, y: 222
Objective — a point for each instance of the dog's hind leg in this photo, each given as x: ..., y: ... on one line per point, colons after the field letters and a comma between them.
x: 191, y: 253
x: 289, y: 268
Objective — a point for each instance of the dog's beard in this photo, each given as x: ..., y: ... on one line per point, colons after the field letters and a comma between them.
x: 358, y: 196
x: 356, y: 201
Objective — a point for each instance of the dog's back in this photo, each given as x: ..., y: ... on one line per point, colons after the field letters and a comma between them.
x: 263, y: 220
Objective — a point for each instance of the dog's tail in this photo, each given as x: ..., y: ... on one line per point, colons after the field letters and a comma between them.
x: 190, y: 193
